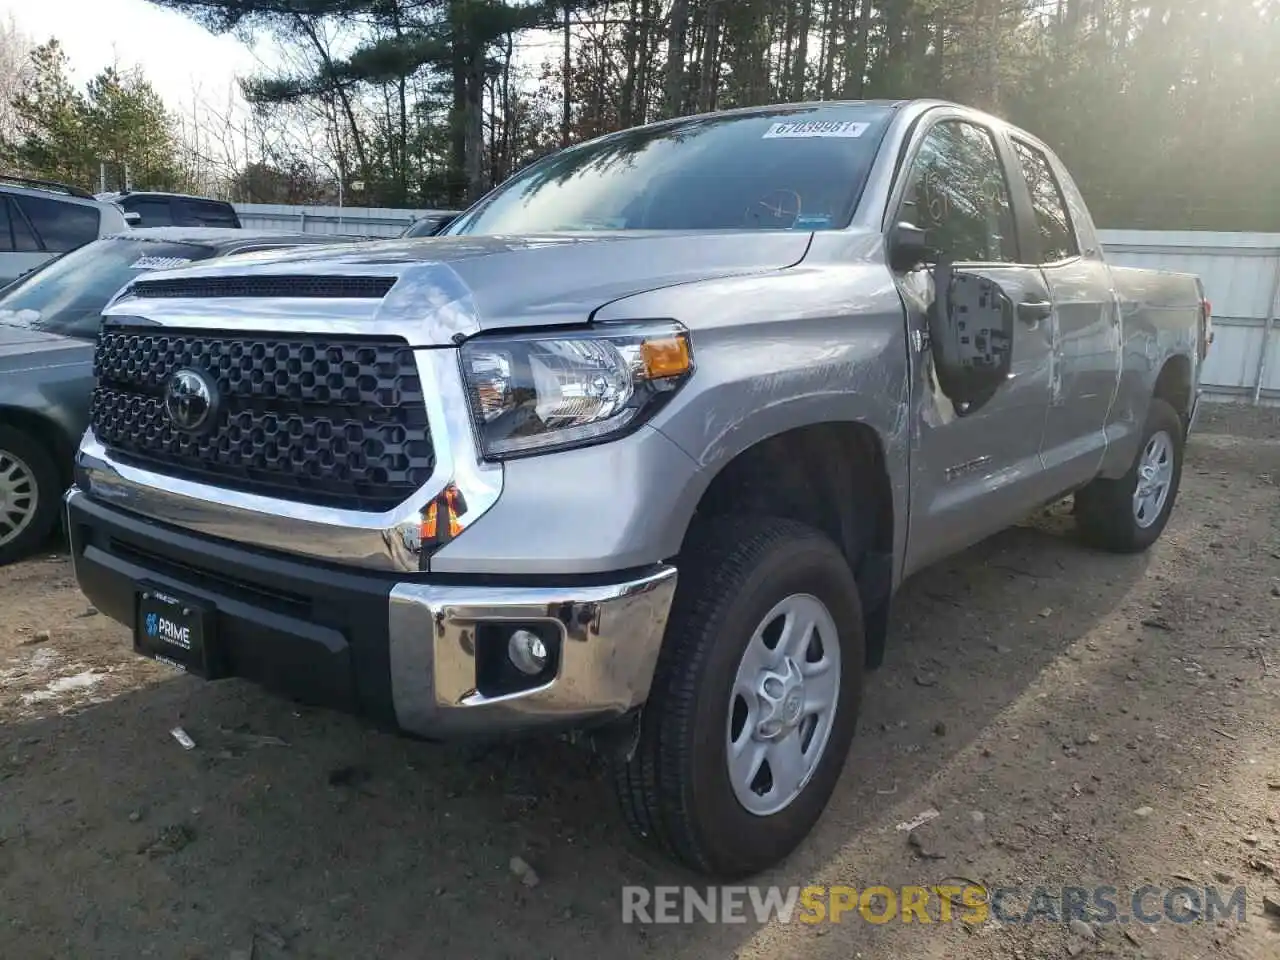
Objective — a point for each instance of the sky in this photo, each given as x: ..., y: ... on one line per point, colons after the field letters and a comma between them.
x: 178, y: 56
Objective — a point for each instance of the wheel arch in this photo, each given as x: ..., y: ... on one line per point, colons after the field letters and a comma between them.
x: 831, y: 475
x: 1173, y: 385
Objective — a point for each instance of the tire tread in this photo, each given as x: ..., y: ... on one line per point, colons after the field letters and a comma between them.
x: 654, y: 797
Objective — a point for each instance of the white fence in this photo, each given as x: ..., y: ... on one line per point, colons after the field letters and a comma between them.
x: 350, y: 221
x: 1241, y: 274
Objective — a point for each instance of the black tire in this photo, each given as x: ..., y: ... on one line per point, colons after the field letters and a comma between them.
x: 1104, y: 509
x: 675, y: 790
x: 48, y: 488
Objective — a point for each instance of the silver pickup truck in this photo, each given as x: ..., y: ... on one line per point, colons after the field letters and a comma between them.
x: 643, y: 444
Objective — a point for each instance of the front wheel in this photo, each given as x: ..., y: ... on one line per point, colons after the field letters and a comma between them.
x: 29, y: 494
x: 1129, y: 514
x: 754, y: 700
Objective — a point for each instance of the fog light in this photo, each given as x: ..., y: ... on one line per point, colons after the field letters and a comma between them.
x: 527, y: 652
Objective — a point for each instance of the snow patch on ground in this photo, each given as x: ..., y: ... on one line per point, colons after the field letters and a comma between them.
x: 64, y: 685
x: 55, y: 679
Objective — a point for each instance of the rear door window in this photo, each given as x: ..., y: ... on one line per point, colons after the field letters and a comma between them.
x: 61, y: 226
x: 1057, y: 237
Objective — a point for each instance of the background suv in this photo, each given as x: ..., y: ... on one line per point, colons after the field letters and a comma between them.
x: 155, y: 209
x: 40, y: 220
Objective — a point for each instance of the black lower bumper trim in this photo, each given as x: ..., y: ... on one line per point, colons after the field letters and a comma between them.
x: 300, y: 629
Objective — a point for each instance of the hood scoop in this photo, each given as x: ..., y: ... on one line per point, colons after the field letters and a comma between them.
x: 325, y: 287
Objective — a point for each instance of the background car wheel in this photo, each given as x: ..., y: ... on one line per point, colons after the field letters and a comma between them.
x: 29, y: 495
x: 754, y: 701
x: 1129, y: 514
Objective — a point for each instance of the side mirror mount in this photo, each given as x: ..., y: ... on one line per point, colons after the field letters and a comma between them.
x: 971, y: 331
x: 908, y: 247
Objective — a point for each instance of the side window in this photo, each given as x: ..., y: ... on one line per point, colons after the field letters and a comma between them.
x: 62, y: 226
x: 1057, y: 237
x: 957, y: 191
x: 153, y: 211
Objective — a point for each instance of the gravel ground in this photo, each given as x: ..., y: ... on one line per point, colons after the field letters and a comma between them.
x: 1076, y: 718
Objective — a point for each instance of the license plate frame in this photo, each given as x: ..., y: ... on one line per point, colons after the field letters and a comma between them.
x: 176, y: 630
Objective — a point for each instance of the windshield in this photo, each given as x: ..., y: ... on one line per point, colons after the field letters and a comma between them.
x: 67, y: 295
x: 799, y: 168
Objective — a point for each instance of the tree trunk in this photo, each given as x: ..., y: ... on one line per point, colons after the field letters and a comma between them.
x: 474, y: 129
x: 631, y: 52
x: 801, y: 59
x: 566, y: 107
x: 676, y: 38
x: 832, y: 10
x: 644, y: 78
x: 459, y: 187
x: 709, y: 75
x: 340, y: 91
x: 857, y: 54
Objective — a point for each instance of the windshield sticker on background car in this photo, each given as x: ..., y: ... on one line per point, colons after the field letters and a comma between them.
x: 807, y: 129
x: 158, y: 263
x: 812, y: 221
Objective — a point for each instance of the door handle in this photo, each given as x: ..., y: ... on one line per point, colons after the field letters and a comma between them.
x: 1030, y: 311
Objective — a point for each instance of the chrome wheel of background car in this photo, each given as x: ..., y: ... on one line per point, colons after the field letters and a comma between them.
x: 19, y: 496
x: 1155, y: 476
x: 783, y: 703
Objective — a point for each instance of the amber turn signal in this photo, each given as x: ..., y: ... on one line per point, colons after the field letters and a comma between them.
x: 666, y: 357
x: 436, y: 529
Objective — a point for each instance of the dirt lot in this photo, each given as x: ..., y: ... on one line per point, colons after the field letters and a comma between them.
x: 1076, y: 718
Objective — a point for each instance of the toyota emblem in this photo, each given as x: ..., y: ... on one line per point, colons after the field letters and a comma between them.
x: 189, y: 400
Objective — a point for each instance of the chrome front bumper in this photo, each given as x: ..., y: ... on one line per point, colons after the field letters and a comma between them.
x: 609, y: 642
x: 406, y: 653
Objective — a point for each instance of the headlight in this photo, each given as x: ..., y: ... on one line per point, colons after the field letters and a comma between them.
x: 536, y: 392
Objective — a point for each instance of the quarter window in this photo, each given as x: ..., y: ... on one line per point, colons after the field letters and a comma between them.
x: 197, y: 213
x: 1057, y: 238
x: 957, y: 191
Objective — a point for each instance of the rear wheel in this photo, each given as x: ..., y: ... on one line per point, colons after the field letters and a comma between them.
x: 29, y: 494
x: 754, y: 701
x: 1129, y: 514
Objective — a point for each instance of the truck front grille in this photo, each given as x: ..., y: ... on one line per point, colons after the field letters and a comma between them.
x: 334, y: 421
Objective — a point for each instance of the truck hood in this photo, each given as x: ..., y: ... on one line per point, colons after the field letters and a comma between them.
x: 451, y: 287
x: 22, y: 348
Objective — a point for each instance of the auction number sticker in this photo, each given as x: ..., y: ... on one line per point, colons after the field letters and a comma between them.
x: 158, y: 263
x: 806, y: 129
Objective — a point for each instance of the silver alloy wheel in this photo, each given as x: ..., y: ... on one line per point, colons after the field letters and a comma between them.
x: 783, y: 704
x: 19, y: 495
x: 1155, y: 478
